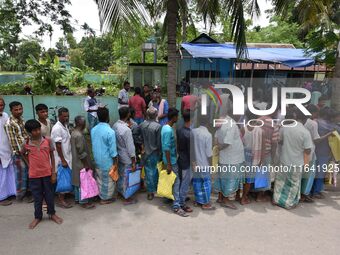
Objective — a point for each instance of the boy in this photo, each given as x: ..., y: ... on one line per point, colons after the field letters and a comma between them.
x: 38, y: 151
x: 42, y: 112
x: 138, y: 104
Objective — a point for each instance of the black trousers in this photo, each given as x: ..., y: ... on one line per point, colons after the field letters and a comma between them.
x: 42, y: 188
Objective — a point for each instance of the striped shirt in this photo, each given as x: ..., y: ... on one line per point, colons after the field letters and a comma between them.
x: 17, y: 135
x: 271, y: 134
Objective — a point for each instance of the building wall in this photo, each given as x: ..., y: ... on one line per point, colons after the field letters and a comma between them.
x: 221, y: 67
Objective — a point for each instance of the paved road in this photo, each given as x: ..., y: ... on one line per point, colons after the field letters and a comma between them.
x: 150, y: 228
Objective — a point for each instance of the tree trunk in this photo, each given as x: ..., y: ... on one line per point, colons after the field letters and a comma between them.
x: 184, y: 25
x: 172, y: 11
x: 336, y: 83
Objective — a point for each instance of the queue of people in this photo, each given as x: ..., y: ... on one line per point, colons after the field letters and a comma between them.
x: 147, y: 134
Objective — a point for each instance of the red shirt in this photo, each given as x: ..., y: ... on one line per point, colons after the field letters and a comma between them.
x: 137, y: 103
x: 189, y: 102
x: 39, y: 159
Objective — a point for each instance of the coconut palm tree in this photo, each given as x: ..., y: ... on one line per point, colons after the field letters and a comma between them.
x: 319, y: 14
x: 114, y: 13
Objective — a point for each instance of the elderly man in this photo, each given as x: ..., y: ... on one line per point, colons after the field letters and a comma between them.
x: 7, y: 172
x: 63, y: 156
x: 151, y: 135
x: 17, y: 135
x: 105, y: 155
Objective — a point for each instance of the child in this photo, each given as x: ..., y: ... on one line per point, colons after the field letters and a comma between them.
x: 42, y: 112
x: 38, y: 151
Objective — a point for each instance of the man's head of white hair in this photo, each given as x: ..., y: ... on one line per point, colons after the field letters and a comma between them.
x: 151, y: 113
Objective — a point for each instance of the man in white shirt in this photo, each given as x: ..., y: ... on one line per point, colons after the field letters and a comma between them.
x: 296, y: 147
x: 123, y: 96
x: 231, y: 157
x: 62, y: 139
x: 7, y: 171
x: 91, y: 107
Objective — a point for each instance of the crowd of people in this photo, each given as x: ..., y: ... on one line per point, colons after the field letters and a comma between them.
x: 229, y: 159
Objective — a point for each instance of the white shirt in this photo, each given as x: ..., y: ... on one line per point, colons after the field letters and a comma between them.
x: 295, y: 141
x: 46, y: 129
x: 230, y: 134
x: 5, y: 147
x: 61, y: 134
x: 124, y: 96
x: 88, y: 107
x: 312, y: 127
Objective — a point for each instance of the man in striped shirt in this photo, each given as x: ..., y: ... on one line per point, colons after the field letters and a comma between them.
x: 17, y: 135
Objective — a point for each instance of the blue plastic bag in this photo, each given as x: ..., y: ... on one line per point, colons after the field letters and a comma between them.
x: 64, y: 180
x: 262, y: 178
x: 131, y: 182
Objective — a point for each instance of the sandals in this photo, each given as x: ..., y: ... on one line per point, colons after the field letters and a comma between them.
x: 5, y: 203
x: 88, y: 206
x: 64, y: 205
x: 187, y: 209
x: 180, y: 212
x: 130, y: 202
x: 208, y: 207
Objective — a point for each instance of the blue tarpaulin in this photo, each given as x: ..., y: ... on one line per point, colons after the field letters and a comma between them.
x: 285, y: 56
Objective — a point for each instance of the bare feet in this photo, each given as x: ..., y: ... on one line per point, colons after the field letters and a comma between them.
x: 56, y: 219
x: 34, y: 223
x: 64, y: 204
x: 129, y: 201
x: 88, y: 206
x: 228, y: 204
x: 208, y: 207
x: 245, y: 201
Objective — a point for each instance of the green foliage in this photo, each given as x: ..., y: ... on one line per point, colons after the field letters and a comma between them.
x: 46, y: 74
x: 278, y: 31
x: 76, y: 58
x: 74, y: 78
x: 25, y: 49
x: 98, y: 51
x: 13, y: 88
x: 61, y: 48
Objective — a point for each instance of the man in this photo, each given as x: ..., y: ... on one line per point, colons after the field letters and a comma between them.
x: 60, y: 135
x: 231, y: 156
x: 201, y: 142
x: 7, y: 171
x: 104, y: 150
x: 17, y: 135
x: 146, y: 94
x: 184, y: 164
x: 80, y: 159
x: 162, y: 107
x: 91, y: 107
x: 151, y: 135
x: 296, y: 147
x: 170, y: 157
x: 308, y: 176
x: 323, y: 151
x: 138, y: 104
x: 42, y: 112
x: 123, y: 96
x: 269, y: 141
x: 126, y: 149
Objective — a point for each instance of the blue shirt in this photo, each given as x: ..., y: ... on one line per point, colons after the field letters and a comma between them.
x: 104, y: 146
x: 163, y: 121
x: 168, y: 144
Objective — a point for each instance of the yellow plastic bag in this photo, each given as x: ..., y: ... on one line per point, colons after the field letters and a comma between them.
x: 165, y: 183
x: 334, y: 143
x: 215, y: 156
x: 160, y: 166
x: 142, y: 175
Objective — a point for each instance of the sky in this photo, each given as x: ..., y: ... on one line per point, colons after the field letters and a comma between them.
x: 86, y: 11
